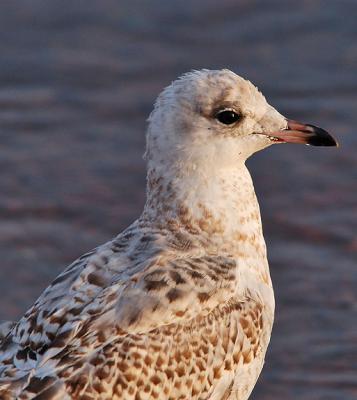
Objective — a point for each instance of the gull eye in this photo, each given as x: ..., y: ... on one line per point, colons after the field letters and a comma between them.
x: 227, y: 117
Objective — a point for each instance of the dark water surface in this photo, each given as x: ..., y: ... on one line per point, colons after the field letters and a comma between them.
x: 78, y: 79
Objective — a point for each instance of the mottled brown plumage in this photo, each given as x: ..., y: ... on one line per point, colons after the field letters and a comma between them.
x: 180, y: 305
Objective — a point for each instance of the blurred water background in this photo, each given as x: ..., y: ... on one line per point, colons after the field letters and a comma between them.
x: 77, y: 81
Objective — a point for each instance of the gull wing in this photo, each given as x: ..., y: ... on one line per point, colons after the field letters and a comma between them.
x: 97, y: 332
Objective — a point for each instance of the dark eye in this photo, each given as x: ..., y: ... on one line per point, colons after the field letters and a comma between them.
x: 227, y: 117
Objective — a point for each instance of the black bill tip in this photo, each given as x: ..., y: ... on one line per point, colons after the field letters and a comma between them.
x: 320, y: 137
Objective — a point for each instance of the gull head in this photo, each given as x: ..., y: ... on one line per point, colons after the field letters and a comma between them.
x: 216, y: 119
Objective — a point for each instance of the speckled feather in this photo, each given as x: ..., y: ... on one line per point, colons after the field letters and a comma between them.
x: 180, y: 305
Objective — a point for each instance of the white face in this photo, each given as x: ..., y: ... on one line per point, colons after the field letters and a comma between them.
x: 215, y: 116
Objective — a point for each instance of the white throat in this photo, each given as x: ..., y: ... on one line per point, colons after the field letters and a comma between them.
x: 216, y: 203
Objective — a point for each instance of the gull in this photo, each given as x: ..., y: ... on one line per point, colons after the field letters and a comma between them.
x: 180, y: 305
